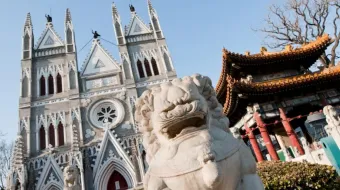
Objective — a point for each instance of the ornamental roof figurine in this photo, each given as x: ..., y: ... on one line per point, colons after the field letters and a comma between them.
x: 49, y: 18
x: 132, y: 8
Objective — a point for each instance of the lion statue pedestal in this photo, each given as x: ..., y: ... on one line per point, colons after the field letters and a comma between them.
x: 188, y: 142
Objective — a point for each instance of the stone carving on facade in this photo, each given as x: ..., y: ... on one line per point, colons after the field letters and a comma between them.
x: 183, y: 147
x: 120, y: 95
x: 71, y: 178
x: 89, y: 133
x: 85, y: 102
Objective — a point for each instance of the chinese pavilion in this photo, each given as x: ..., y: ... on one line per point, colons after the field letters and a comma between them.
x: 273, y: 98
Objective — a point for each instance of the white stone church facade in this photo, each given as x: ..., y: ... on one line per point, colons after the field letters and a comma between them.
x: 85, y: 118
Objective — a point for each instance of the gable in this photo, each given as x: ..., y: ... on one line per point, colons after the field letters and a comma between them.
x: 49, y: 39
x: 51, y: 173
x: 111, y: 148
x: 99, y: 61
x: 137, y: 27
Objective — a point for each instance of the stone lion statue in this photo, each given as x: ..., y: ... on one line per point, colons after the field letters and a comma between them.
x: 188, y: 142
x: 332, y: 116
x: 71, y: 178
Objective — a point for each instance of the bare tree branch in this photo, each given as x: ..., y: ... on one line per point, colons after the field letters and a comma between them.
x: 298, y: 22
x: 5, y: 161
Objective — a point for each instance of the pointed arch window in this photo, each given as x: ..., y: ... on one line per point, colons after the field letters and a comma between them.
x: 50, y: 85
x: 154, y: 66
x: 69, y: 39
x: 51, y: 135
x: 155, y: 23
x: 42, y: 138
x: 59, y: 84
x: 119, y: 33
x: 140, y: 69
x: 61, y: 134
x: 147, y: 68
x: 24, y: 87
x: 42, y: 86
x: 72, y: 78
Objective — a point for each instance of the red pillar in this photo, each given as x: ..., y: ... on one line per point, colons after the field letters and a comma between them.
x: 254, y: 144
x: 264, y: 133
x: 290, y: 131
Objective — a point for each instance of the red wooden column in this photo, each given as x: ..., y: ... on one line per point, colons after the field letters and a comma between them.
x: 254, y: 144
x: 290, y: 131
x: 264, y: 133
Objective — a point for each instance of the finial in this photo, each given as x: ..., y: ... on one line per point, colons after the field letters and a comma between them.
x: 95, y: 34
x: 150, y: 5
x: 114, y: 8
x: 132, y: 8
x: 68, y: 15
x: 49, y: 18
x: 28, y: 21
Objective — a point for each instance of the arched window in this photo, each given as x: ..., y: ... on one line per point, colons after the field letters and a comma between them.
x: 119, y: 33
x: 147, y: 68
x: 167, y: 62
x: 72, y: 78
x: 59, y: 84
x: 51, y: 135
x: 140, y: 69
x: 24, y: 87
x: 69, y: 36
x: 42, y: 86
x: 155, y: 23
x: 154, y: 66
x: 61, y: 134
x: 50, y: 85
x: 42, y: 138
x: 26, y: 42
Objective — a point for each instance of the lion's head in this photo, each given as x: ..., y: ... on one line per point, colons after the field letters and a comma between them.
x: 71, y: 175
x: 176, y: 108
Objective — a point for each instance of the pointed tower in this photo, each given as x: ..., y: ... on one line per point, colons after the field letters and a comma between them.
x: 154, y: 21
x: 28, y: 39
x: 70, y: 44
x: 117, y: 25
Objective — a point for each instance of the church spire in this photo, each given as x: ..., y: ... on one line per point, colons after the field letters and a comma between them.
x: 69, y: 33
x: 117, y: 25
x: 155, y: 21
x: 28, y: 38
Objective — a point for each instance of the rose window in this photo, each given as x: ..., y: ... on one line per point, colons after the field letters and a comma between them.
x: 106, y: 114
x: 106, y: 111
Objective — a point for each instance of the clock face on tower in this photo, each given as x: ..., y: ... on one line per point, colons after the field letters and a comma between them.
x: 106, y: 112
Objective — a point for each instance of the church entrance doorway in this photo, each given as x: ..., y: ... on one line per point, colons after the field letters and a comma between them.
x: 117, y: 182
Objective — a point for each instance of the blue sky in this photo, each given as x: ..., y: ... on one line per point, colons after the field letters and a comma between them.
x: 196, y: 31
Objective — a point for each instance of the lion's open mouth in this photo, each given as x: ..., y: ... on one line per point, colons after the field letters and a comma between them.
x: 175, y: 127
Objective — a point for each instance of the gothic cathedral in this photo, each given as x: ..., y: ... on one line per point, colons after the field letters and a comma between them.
x: 77, y: 128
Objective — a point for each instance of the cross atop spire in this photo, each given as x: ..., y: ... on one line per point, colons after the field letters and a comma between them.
x: 28, y: 21
x: 68, y: 16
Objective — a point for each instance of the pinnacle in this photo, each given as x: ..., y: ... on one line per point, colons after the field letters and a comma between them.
x: 150, y: 5
x: 114, y: 8
x: 68, y: 16
x: 28, y: 21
